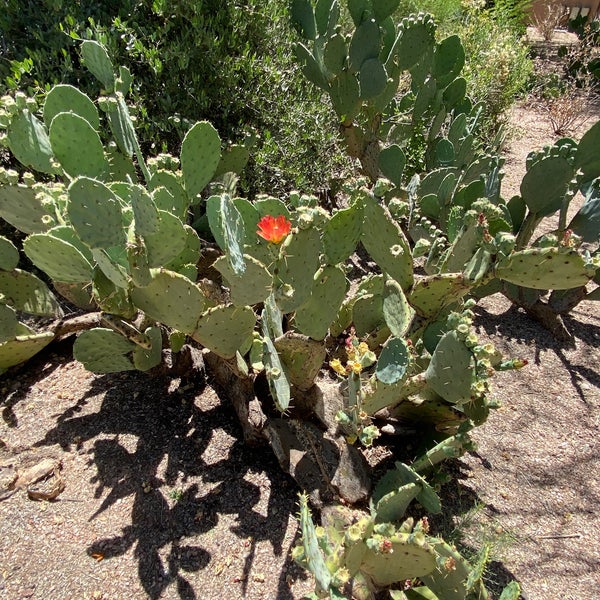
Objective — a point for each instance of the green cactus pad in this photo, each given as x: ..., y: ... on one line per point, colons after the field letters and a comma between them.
x: 391, y: 507
x: 68, y: 234
x: 227, y: 226
x: 28, y: 140
x: 97, y: 61
x: 545, y: 269
x: 586, y: 223
x: 433, y: 292
x: 299, y: 260
x: 95, y: 213
x: 9, y: 255
x: 373, y: 78
x: 145, y: 359
x: 26, y: 293
x: 60, y: 260
x: 587, y: 158
x: 301, y: 357
x: 123, y: 131
x: 451, y: 447
x: 405, y: 559
x: 327, y: 14
x: 314, y: 316
x: 303, y: 18
x: 23, y: 347
x: 334, y: 54
x: 145, y: 212
x: 233, y: 160
x: 345, y: 95
x: 313, y: 70
x: 78, y: 294
x: 544, y: 185
x: 415, y: 39
x: 250, y: 288
x: 367, y: 314
x: 120, y: 167
x: 112, y: 266
x: 167, y: 242
x: 20, y: 207
x: 393, y: 361
x: 386, y: 244
x: 8, y: 323
x: 277, y: 377
x: 365, y: 44
x: 397, y: 312
x: 77, y: 146
x: 137, y: 258
x: 392, y: 161
x: 103, y: 350
x: 402, y: 475
x: 448, y: 60
x: 200, y: 156
x: 176, y: 201
x: 450, y: 372
x: 171, y: 299
x: 342, y: 233
x: 449, y: 579
x: 66, y: 98
x: 314, y: 555
x: 223, y: 329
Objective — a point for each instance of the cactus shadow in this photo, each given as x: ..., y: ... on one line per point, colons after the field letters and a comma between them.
x: 156, y: 446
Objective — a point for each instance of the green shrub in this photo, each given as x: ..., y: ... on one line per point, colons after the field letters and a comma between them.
x: 497, y: 65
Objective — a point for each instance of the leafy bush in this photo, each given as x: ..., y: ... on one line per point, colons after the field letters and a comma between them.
x: 224, y: 61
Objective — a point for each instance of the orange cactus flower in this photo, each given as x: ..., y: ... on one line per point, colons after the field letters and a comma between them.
x: 274, y: 229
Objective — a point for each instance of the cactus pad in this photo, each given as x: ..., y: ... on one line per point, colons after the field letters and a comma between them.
x: 8, y: 323
x: 20, y: 207
x: 28, y: 140
x: 393, y: 361
x: 342, y: 233
x: 145, y: 359
x: 301, y: 357
x: 77, y: 146
x: 545, y: 269
x: 60, y: 260
x: 314, y: 316
x: 25, y: 345
x: 26, y: 293
x: 167, y: 242
x: 97, y: 61
x: 200, y: 156
x: 95, y: 213
x: 66, y: 98
x: 223, y: 329
x: 171, y: 299
x: 431, y: 293
x: 9, y: 255
x: 450, y: 372
x: 252, y: 287
x: 103, y: 351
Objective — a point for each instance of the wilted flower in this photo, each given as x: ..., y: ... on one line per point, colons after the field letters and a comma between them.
x: 274, y: 229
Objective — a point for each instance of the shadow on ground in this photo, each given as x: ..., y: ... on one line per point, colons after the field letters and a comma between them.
x: 174, y: 445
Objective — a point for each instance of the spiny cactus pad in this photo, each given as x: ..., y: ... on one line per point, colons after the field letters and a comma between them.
x: 223, y: 329
x: 200, y: 156
x: 28, y: 140
x: 252, y: 287
x: 25, y: 345
x: 450, y: 372
x: 60, y: 260
x: 314, y: 316
x: 103, y: 351
x: 26, y: 293
x: 545, y: 269
x: 20, y: 207
x: 66, y: 98
x: 77, y: 146
x: 9, y: 255
x: 171, y: 299
x: 95, y: 213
